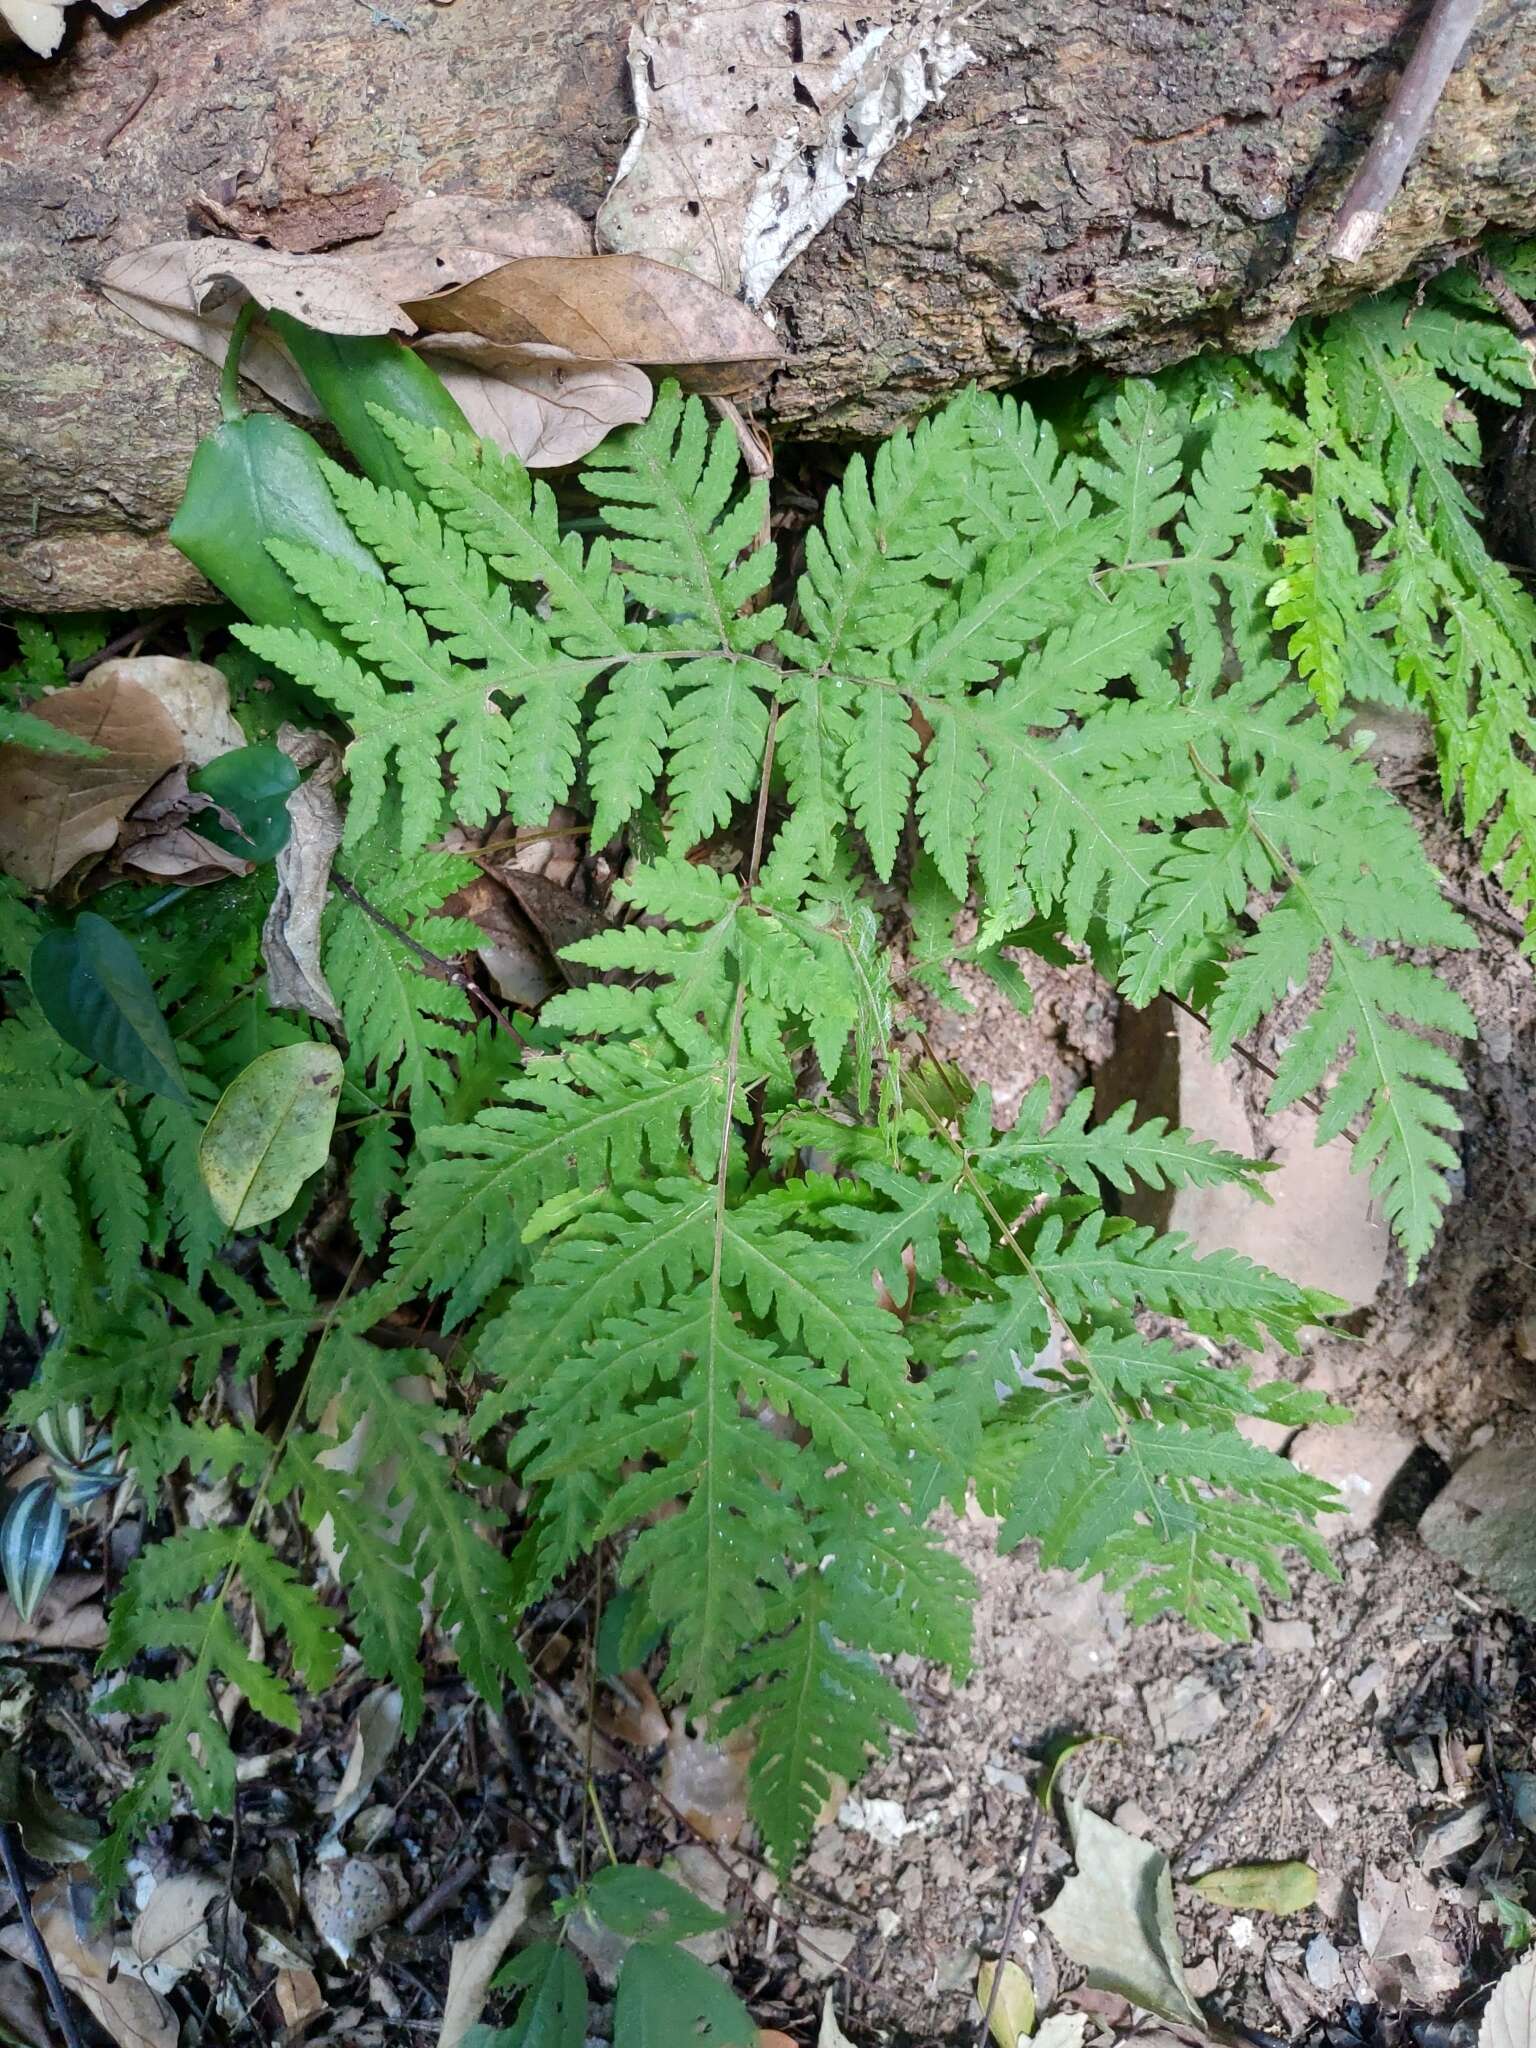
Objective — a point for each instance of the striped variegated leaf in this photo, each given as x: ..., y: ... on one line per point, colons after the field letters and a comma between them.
x: 31, y: 1544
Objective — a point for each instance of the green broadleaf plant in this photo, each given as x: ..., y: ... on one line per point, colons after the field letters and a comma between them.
x: 1095, y: 677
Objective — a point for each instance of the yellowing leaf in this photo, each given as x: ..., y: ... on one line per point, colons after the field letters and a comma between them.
x: 1004, y: 1992
x: 1260, y: 1887
x: 270, y: 1132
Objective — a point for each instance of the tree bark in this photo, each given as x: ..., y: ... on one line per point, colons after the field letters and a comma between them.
x: 1117, y: 182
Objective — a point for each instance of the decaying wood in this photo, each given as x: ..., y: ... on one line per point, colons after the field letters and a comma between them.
x: 1117, y: 182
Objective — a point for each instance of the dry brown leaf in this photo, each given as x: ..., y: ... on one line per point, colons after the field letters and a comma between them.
x: 449, y: 239
x: 770, y: 2037
x: 328, y: 291
x: 541, y: 404
x: 299, y: 2000
x: 634, y: 1714
x: 70, y: 1617
x: 124, y: 2006
x: 172, y: 1935
x: 473, y: 1963
x: 621, y: 308
x: 707, y: 1781
x: 190, y: 291
x: 755, y: 123
x: 374, y: 1735
x: 57, y: 809
x: 290, y: 937
x: 195, y: 694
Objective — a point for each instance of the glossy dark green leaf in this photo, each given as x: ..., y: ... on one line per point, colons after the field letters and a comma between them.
x: 31, y: 1544
x: 254, y: 480
x: 91, y: 986
x: 253, y: 784
x: 668, y: 2000
x: 646, y: 1906
x: 351, y: 373
x: 553, y: 2012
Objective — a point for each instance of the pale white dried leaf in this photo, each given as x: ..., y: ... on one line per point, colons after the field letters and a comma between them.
x: 1115, y: 1919
x: 374, y: 1735
x: 542, y: 404
x: 290, y: 936
x: 350, y: 1897
x: 755, y: 123
x: 473, y: 1963
x: 1062, y: 2030
x: 37, y: 23
x: 831, y: 2034
x: 1509, y: 2018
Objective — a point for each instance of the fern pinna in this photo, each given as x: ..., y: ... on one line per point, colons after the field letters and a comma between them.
x: 727, y: 1264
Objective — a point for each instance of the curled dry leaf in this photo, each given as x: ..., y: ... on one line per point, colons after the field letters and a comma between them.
x: 131, y: 2014
x: 290, y: 936
x: 473, y: 1963
x: 613, y: 308
x: 374, y: 1735
x: 542, y: 404
x: 57, y: 810
x: 299, y: 2000
x: 190, y: 291
x: 756, y: 122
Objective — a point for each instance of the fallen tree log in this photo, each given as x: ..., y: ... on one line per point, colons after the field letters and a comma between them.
x: 1112, y: 182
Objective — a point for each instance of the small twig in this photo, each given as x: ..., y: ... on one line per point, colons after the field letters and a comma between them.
x: 1522, y: 322
x: 1244, y: 1052
x: 134, y: 110
x: 1314, y: 1696
x: 129, y: 638
x: 442, y: 1894
x: 445, y: 970
x: 46, y: 1970
x: 1375, y: 185
x: 1502, y: 1804
x: 1011, y: 1928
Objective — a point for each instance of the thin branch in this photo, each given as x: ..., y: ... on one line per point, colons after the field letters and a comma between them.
x: 1379, y: 178
x: 1522, y: 321
x: 46, y: 1970
x: 1015, y: 1909
x: 445, y: 970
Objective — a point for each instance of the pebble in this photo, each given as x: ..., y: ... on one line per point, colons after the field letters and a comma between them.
x: 1182, y: 1710
x: 1324, y: 1970
x: 1288, y: 1637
